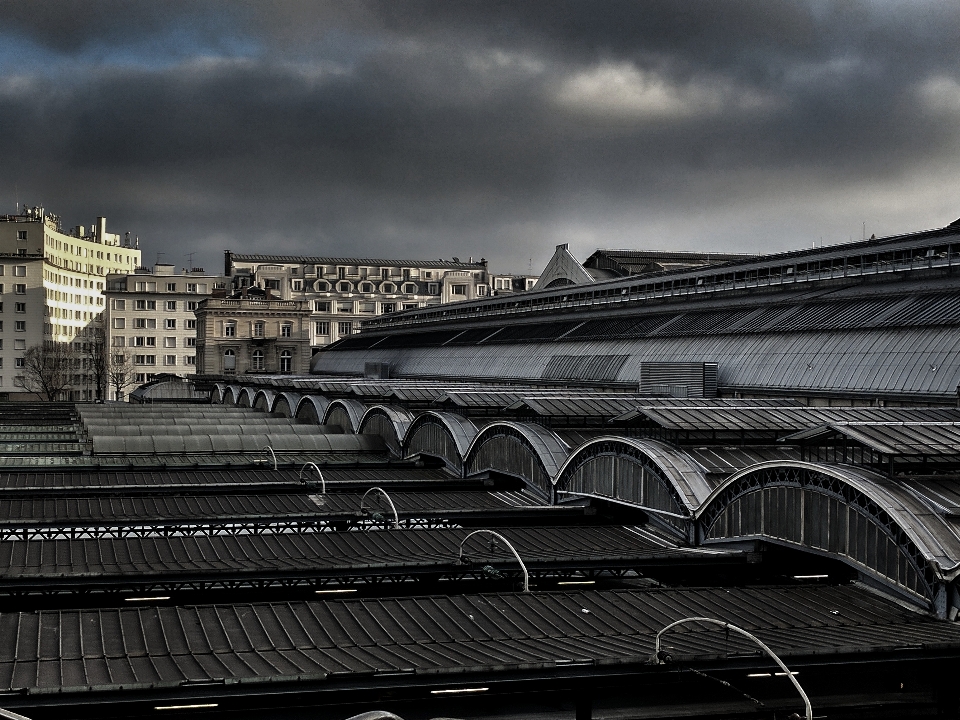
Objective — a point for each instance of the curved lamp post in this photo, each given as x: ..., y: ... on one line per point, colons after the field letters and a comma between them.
x: 323, y: 483
x: 267, y: 448
x: 526, y: 575
x: 741, y: 631
x: 396, y: 518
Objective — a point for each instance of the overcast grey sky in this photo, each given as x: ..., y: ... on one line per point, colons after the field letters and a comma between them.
x: 497, y: 129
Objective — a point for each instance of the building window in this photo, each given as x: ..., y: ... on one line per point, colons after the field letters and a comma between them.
x: 341, y: 273
x: 119, y: 323
x: 191, y: 305
x: 458, y: 289
x: 229, y: 361
x: 297, y: 284
x: 286, y: 361
x: 169, y: 359
x: 387, y: 307
x: 171, y: 287
x: 171, y: 305
x: 20, y: 362
x: 145, y: 304
x: 322, y: 328
x: 118, y: 341
x: 321, y: 286
x: 432, y: 288
x: 258, y: 329
x: 366, y: 287
x: 230, y: 329
x: 151, y: 342
x: 140, y: 378
x: 145, y: 359
x: 190, y: 342
x: 140, y: 322
x: 410, y: 306
x: 344, y: 328
x: 20, y: 270
x: 20, y: 307
x: 191, y: 287
x: 410, y: 289
x: 139, y: 341
x: 384, y: 273
x: 344, y: 287
x: 20, y: 289
x: 19, y: 344
x: 119, y: 304
x: 21, y: 234
x: 481, y: 290
x: 171, y: 324
x: 257, y: 360
x: 271, y: 284
x: 286, y: 330
x: 320, y: 306
x: 388, y: 287
x: 20, y: 326
x: 189, y: 359
x: 169, y: 342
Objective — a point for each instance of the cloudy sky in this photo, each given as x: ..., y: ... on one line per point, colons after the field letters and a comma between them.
x: 429, y: 129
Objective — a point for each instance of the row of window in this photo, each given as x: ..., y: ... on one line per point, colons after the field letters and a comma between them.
x: 18, y: 325
x: 257, y: 360
x: 190, y: 287
x: 17, y: 307
x: 120, y: 323
x: 256, y: 330
x: 18, y: 270
x: 167, y: 359
x: 361, y: 307
x: 150, y: 341
x: 168, y: 305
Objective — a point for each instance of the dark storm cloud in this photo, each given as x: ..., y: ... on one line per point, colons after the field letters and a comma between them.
x: 484, y: 128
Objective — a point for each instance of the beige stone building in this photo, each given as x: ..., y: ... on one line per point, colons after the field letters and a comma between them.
x: 340, y: 293
x: 253, y: 331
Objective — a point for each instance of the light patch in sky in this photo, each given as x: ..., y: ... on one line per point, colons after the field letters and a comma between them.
x: 621, y: 91
x: 941, y: 94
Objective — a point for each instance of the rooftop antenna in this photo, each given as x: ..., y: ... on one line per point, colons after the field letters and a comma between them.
x: 190, y: 259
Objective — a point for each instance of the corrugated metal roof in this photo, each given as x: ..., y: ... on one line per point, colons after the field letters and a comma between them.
x: 117, y: 651
x: 174, y: 561
x: 787, y: 418
x: 892, y: 438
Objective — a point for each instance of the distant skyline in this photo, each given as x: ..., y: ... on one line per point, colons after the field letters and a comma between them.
x: 428, y: 129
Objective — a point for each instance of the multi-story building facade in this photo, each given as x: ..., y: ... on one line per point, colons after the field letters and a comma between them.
x: 340, y: 293
x: 57, y: 282
x: 253, y: 331
x: 150, y: 319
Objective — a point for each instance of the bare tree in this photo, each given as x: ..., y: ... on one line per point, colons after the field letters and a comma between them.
x: 120, y: 371
x: 48, y: 368
x: 99, y: 364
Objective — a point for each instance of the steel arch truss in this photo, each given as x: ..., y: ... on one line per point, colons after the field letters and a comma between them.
x: 619, y: 471
x: 806, y: 508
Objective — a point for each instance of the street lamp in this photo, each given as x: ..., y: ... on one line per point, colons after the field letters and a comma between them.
x: 727, y: 626
x: 396, y: 518
x: 526, y: 575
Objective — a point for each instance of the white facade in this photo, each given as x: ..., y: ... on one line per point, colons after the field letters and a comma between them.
x: 343, y: 292
x: 150, y: 317
x: 54, y: 282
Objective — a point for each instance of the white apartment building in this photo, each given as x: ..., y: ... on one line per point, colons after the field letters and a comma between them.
x: 150, y: 317
x: 54, y: 282
x: 342, y: 292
